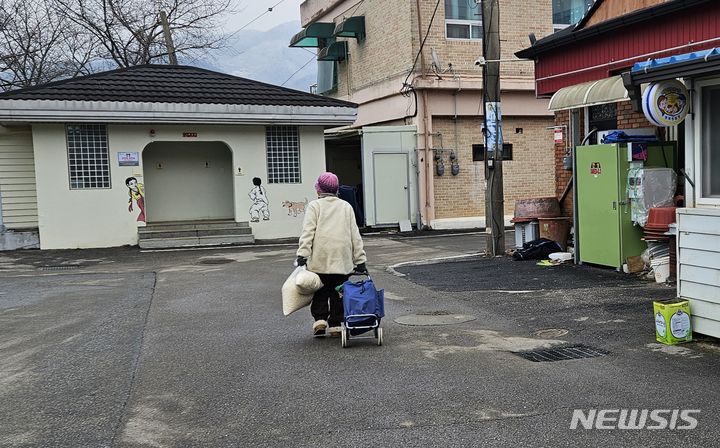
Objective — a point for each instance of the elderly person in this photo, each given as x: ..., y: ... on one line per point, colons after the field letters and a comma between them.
x: 331, y: 246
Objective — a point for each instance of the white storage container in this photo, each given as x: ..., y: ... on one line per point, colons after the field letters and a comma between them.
x: 526, y: 231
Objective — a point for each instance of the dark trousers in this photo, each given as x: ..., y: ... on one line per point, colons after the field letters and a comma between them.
x: 326, y: 302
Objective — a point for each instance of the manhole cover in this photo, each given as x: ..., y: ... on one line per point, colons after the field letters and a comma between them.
x: 551, y: 333
x: 434, y: 313
x: 59, y: 268
x: 434, y: 319
x: 563, y: 353
x: 215, y: 261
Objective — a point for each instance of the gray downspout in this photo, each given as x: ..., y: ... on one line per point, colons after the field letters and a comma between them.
x: 2, y: 224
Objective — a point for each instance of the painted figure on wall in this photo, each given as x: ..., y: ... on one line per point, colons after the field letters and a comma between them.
x: 295, y: 207
x: 135, y: 190
x: 258, y: 196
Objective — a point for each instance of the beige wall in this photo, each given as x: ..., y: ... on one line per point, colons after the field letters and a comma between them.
x: 518, y: 18
x: 386, y: 51
x: 529, y: 174
x: 100, y: 218
x: 17, y: 179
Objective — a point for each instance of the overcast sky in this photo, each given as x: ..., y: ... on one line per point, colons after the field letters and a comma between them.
x: 286, y: 11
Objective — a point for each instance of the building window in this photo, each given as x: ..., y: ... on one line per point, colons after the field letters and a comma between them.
x: 478, y: 152
x: 283, y: 154
x: 326, y: 77
x: 569, y: 12
x: 88, y: 159
x: 463, y: 19
x: 710, y: 167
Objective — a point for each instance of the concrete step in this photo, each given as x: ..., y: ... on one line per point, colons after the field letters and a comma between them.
x: 180, y: 233
x: 196, y: 241
x: 194, y: 225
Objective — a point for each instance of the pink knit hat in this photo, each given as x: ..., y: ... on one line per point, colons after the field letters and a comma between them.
x: 327, y: 183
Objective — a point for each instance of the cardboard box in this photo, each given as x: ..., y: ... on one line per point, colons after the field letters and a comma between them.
x: 672, y: 321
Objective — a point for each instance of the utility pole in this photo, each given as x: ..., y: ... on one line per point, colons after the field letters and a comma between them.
x: 494, y: 202
x: 168, y: 38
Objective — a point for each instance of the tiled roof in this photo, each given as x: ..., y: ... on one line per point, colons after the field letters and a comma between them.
x: 171, y: 84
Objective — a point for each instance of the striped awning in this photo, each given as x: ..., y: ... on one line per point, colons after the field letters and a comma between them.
x: 604, y: 91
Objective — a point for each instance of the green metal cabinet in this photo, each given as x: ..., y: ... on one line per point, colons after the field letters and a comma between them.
x: 605, y: 232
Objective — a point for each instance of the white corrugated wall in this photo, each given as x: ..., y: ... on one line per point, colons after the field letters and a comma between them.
x: 699, y: 267
x: 17, y: 179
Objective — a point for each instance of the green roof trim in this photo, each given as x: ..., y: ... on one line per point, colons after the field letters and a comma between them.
x: 313, y: 36
x: 351, y: 27
x: 337, y: 51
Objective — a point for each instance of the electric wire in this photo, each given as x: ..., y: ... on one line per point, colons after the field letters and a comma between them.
x: 298, y: 71
x: 270, y: 9
x: 405, y: 86
x: 356, y: 8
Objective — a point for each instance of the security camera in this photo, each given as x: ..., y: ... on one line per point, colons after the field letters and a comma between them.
x: 480, y: 61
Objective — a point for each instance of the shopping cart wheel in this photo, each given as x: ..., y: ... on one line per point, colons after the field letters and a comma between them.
x: 344, y: 337
x: 379, y: 335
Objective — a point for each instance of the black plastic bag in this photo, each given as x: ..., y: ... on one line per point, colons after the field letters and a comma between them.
x: 537, y: 250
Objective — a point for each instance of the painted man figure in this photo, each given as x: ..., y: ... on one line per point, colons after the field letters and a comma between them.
x: 258, y: 196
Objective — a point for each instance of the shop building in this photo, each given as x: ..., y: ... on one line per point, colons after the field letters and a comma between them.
x: 599, y: 74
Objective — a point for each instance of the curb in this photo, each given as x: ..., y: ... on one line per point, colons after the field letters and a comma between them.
x: 391, y: 269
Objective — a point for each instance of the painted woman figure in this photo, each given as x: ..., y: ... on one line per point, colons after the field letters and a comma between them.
x: 135, y: 190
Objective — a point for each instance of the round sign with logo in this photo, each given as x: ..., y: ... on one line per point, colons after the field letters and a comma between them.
x: 680, y: 324
x: 666, y: 103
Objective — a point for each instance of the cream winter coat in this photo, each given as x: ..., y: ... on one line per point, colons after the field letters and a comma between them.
x: 330, y: 238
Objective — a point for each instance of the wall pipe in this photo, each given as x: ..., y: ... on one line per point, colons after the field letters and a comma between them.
x: 429, y: 205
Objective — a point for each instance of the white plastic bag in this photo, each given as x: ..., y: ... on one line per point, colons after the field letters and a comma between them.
x: 307, y: 282
x: 292, y: 298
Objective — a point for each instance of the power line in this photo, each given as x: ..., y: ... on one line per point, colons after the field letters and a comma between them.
x: 422, y: 45
x: 270, y: 9
x: 298, y: 71
x: 356, y: 7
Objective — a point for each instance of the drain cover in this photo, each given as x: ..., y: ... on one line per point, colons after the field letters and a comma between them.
x: 216, y: 261
x: 562, y: 353
x: 434, y: 313
x: 59, y: 268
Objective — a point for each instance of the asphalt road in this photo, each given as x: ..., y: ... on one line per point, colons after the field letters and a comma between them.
x: 174, y: 349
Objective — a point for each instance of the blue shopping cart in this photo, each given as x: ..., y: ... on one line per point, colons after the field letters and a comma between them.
x: 364, y: 306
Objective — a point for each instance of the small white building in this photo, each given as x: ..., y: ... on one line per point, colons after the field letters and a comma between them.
x: 182, y: 153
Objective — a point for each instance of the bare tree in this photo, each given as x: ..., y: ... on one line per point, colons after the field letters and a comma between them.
x: 47, y: 40
x: 130, y: 32
x: 37, y: 45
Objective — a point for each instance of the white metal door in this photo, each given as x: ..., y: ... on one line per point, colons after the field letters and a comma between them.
x: 391, y: 182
